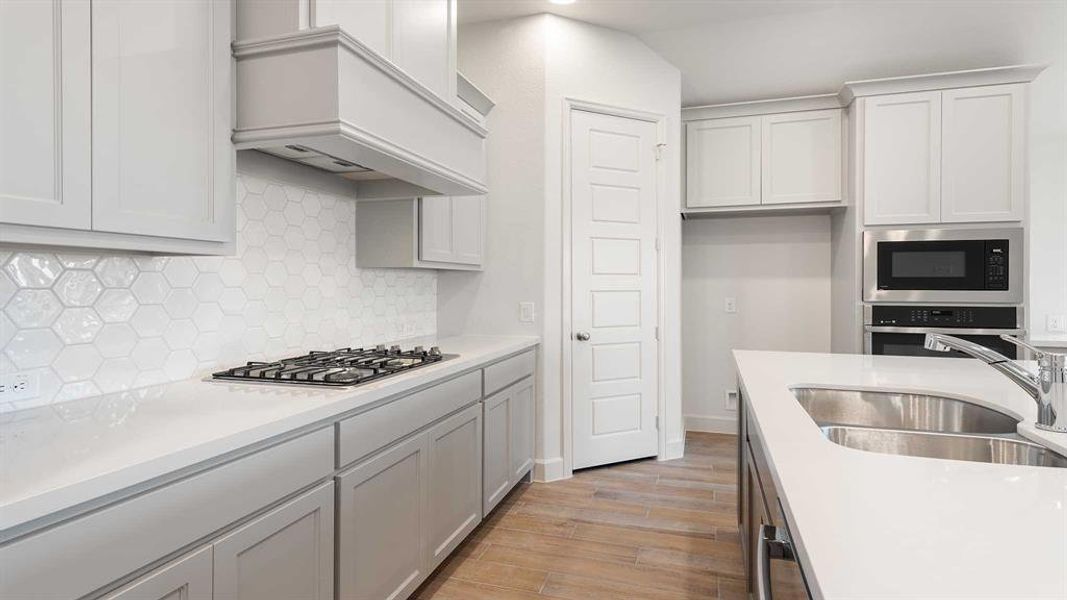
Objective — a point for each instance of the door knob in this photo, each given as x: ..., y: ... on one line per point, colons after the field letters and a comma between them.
x: 582, y: 336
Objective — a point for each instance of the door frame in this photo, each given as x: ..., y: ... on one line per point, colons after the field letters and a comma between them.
x: 570, y: 105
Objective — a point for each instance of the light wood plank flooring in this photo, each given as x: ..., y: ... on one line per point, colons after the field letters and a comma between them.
x: 643, y: 530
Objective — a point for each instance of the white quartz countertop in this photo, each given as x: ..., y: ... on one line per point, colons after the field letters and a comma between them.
x: 871, y: 525
x: 56, y: 457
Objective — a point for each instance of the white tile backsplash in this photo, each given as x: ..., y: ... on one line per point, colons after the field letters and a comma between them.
x: 85, y: 323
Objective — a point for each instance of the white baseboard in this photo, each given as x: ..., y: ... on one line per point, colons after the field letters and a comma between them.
x: 711, y: 424
x: 550, y: 469
x: 675, y: 449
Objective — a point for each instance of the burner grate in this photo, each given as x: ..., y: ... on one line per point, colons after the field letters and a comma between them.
x: 341, y: 367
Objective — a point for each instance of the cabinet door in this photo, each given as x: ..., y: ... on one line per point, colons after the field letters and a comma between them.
x: 468, y: 229
x: 455, y: 482
x: 381, y: 524
x: 522, y: 429
x: 45, y: 152
x: 424, y: 42
x: 366, y: 20
x: 187, y: 578
x: 723, y: 162
x: 801, y: 157
x: 496, y: 449
x: 285, y: 554
x: 162, y: 159
x: 902, y: 158
x: 983, y: 154
x: 435, y: 229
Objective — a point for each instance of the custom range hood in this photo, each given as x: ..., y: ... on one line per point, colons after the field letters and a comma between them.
x: 321, y: 97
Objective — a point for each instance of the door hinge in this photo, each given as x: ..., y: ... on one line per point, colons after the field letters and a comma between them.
x: 657, y: 421
x: 657, y: 244
x: 659, y: 150
x: 657, y: 331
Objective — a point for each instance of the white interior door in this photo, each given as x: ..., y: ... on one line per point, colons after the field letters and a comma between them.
x: 613, y: 288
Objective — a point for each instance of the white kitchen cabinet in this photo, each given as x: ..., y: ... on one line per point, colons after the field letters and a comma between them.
x: 801, y: 157
x: 452, y: 229
x: 723, y: 162
x: 162, y: 160
x: 381, y: 529
x: 455, y: 482
x: 902, y: 158
x: 432, y: 232
x: 119, y: 136
x: 508, y: 447
x: 983, y: 167
x: 45, y: 153
x: 284, y: 554
x: 187, y: 578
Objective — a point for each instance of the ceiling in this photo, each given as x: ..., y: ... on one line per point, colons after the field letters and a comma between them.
x: 729, y: 50
x: 637, y: 16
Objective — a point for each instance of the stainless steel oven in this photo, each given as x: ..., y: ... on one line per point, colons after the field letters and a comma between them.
x: 943, y: 265
x: 900, y: 330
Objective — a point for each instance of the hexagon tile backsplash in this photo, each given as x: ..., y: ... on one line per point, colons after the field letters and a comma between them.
x: 84, y: 324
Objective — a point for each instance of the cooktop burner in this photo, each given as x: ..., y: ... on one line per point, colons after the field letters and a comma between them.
x: 343, y: 367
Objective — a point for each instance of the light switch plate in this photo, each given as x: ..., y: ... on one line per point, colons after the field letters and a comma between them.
x: 527, y: 314
x: 1057, y: 323
x: 18, y: 386
x: 729, y: 304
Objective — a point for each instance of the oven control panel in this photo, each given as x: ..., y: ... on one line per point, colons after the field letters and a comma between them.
x: 996, y: 264
x: 972, y: 317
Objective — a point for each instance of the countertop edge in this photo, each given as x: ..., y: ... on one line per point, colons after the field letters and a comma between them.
x: 61, y: 503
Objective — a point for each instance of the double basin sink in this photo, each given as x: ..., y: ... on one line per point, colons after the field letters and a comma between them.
x: 921, y: 425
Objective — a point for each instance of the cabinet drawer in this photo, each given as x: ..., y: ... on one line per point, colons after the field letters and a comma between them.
x: 99, y: 548
x: 367, y: 432
x: 506, y: 372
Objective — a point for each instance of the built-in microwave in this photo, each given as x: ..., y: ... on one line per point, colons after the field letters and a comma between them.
x: 943, y: 265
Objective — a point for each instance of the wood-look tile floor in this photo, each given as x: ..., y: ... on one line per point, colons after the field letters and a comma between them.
x: 643, y: 530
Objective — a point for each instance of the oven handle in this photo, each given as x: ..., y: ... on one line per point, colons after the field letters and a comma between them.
x: 945, y: 330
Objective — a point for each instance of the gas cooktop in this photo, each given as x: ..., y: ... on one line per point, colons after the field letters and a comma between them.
x: 342, y: 367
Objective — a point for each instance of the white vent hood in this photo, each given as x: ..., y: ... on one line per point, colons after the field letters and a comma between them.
x: 321, y: 97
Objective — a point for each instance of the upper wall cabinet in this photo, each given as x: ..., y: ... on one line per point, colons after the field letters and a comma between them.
x: 763, y: 161
x: 120, y: 142
x: 162, y: 160
x: 45, y: 155
x: 432, y: 232
x: 944, y: 156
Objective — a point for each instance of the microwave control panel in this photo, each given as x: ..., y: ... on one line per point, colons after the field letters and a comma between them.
x: 996, y: 264
x: 985, y: 317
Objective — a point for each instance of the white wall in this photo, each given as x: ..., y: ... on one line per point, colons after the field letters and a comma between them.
x: 778, y: 269
x: 817, y: 47
x: 528, y: 66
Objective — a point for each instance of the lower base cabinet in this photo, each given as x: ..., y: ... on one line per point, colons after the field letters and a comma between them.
x: 403, y: 510
x: 286, y: 554
x: 509, y: 423
x: 187, y: 578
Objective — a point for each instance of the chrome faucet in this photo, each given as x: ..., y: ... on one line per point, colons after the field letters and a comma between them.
x: 1048, y: 388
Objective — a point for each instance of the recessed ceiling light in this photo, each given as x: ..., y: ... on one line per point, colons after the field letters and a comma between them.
x: 561, y: 1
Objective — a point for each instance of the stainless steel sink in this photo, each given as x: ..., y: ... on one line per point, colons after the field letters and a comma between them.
x: 898, y: 410
x: 975, y: 448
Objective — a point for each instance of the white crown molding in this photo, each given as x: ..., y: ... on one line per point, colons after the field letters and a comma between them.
x: 469, y: 93
x: 761, y: 107
x: 939, y: 81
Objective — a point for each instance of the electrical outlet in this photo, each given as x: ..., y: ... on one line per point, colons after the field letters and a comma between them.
x: 729, y: 305
x: 19, y: 386
x: 729, y: 398
x: 527, y: 313
x: 1057, y: 323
